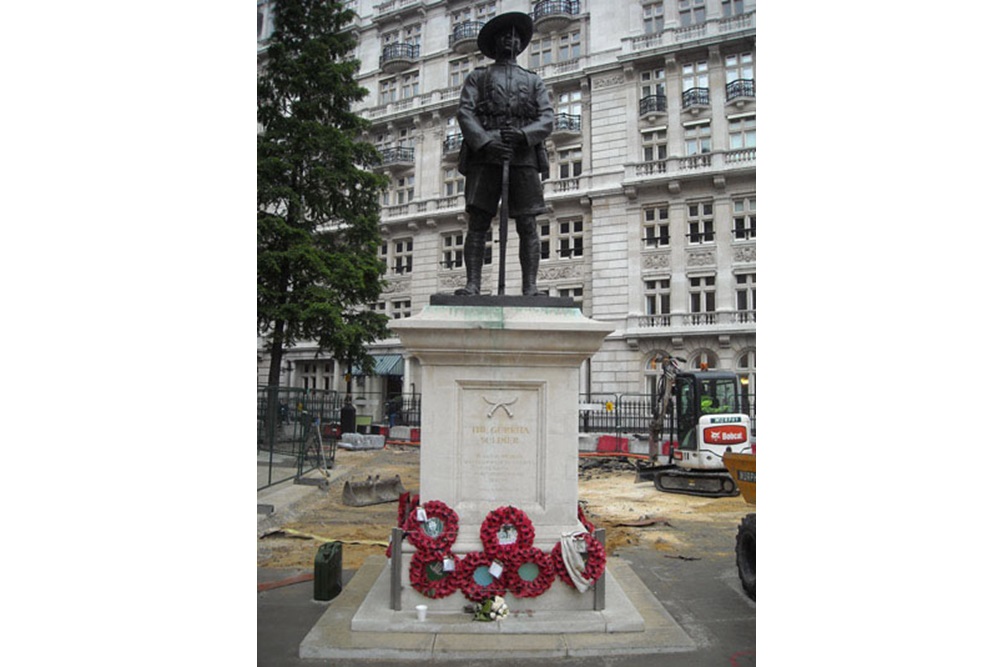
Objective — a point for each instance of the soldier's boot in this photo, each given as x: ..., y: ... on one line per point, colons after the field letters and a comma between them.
x: 529, y: 253
x: 474, y: 251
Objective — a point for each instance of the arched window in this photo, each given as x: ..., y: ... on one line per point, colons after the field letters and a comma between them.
x: 703, y: 360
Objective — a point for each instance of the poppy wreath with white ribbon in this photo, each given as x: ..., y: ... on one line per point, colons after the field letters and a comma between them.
x: 529, y: 588
x: 440, y: 587
x: 596, y: 559
x: 500, y: 519
x: 472, y: 589
x: 437, y: 514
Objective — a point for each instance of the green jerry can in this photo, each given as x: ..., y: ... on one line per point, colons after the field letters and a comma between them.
x: 328, y: 573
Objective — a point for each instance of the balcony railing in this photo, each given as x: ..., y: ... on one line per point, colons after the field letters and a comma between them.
x: 552, y: 15
x: 398, y: 56
x: 396, y: 155
x: 727, y: 318
x: 463, y: 37
x: 708, y: 29
x: 565, y: 122
x: 452, y: 143
x: 695, y: 97
x: 676, y: 166
x: 652, y: 104
x: 739, y: 88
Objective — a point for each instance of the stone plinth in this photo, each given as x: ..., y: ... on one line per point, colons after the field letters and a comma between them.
x: 500, y: 383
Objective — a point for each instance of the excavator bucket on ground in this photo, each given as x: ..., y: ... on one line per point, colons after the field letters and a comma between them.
x: 373, y: 491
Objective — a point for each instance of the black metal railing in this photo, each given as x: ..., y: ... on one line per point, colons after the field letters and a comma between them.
x: 287, y: 417
x: 694, y: 97
x: 739, y: 88
x: 550, y: 7
x: 452, y: 143
x: 566, y: 122
x: 399, y: 51
x: 465, y: 30
x: 396, y: 154
x: 630, y: 414
x: 651, y: 103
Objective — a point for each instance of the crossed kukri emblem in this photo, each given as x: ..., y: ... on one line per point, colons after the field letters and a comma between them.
x: 505, y: 405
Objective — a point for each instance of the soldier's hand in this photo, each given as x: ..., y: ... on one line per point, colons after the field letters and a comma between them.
x: 513, y: 136
x: 498, y: 151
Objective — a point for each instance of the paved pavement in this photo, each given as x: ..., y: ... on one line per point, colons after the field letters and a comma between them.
x: 701, y: 591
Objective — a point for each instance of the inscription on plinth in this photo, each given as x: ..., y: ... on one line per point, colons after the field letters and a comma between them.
x: 501, y: 448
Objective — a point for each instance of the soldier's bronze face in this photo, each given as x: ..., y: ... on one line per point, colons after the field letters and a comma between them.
x: 508, y: 44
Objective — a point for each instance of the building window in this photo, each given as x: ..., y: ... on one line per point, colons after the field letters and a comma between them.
x: 575, y: 293
x: 700, y: 223
x: 694, y: 83
x: 565, y: 236
x: 458, y: 70
x: 739, y: 66
x: 656, y: 227
x: 654, y: 145
x: 745, y: 218
x: 409, y: 85
x: 408, y: 35
x: 483, y: 11
x: 570, y: 102
x: 732, y: 7
x: 697, y: 138
x: 571, y: 239
x: 652, y: 91
x: 702, y: 300
x: 454, y: 182
x: 400, y: 309
x: 452, y: 249
x: 652, y: 18
x: 746, y: 297
x: 658, y: 297
x: 743, y: 132
x: 400, y: 191
x: 399, y: 88
x: 549, y: 49
x: 399, y: 255
x: 691, y: 12
x: 570, y: 162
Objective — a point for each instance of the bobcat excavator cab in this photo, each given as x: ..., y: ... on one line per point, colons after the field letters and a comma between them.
x: 698, y: 416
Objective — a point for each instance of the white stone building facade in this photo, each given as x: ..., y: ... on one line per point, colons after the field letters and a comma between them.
x: 651, y: 202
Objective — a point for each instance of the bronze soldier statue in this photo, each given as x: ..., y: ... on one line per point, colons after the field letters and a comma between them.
x: 505, y: 115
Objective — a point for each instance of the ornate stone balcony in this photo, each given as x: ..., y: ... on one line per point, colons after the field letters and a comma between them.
x: 554, y: 15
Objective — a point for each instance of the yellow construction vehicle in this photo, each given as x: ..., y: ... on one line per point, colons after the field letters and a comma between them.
x: 743, y: 468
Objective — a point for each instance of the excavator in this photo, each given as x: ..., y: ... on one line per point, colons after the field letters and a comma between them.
x: 698, y: 416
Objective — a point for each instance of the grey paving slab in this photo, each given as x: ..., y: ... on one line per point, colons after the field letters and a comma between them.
x: 453, y: 637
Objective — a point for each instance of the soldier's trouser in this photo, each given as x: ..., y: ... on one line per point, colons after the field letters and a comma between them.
x: 529, y: 252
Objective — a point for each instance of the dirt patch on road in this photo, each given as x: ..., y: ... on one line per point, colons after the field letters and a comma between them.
x: 632, y: 514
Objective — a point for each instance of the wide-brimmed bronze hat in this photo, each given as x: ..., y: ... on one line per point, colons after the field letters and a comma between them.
x: 497, y: 25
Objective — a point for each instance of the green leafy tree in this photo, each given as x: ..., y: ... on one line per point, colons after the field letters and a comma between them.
x: 317, y: 202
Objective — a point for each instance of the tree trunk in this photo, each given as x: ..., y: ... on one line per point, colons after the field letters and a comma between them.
x: 271, y: 418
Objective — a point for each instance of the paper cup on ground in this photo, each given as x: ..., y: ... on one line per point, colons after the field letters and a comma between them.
x: 421, y: 612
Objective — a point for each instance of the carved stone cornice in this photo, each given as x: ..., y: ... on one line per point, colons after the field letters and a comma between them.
x: 745, y: 253
x: 656, y: 261
x: 701, y: 258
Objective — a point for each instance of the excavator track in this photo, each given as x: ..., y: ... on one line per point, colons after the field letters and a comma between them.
x: 709, y: 484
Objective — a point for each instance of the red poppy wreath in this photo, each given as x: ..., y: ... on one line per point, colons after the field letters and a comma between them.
x: 505, y: 531
x: 475, y: 578
x: 595, y: 559
x: 438, y: 530
x: 429, y: 576
x: 529, y: 573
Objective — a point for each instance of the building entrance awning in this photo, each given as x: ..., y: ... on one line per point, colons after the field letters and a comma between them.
x: 385, y: 364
